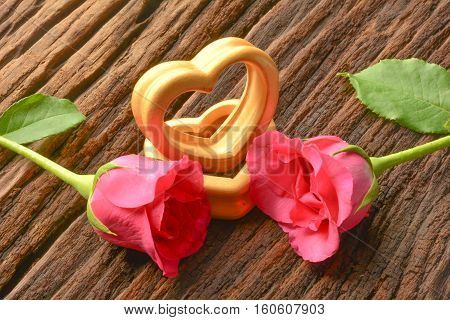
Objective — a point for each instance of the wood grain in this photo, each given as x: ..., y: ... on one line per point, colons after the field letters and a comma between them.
x: 93, y: 52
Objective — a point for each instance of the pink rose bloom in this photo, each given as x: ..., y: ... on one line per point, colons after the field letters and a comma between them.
x: 158, y: 207
x: 313, y: 195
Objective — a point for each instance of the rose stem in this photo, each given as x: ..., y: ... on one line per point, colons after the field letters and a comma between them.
x: 83, y: 183
x: 380, y: 164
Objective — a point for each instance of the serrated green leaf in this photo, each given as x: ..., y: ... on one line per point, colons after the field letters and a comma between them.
x: 38, y: 116
x: 412, y: 92
x: 372, y: 193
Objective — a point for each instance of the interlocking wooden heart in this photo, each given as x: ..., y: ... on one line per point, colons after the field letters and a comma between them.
x: 236, y: 121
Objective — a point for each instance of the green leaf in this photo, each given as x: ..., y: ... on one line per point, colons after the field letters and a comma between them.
x: 372, y: 193
x: 38, y: 116
x: 93, y: 220
x: 412, y: 92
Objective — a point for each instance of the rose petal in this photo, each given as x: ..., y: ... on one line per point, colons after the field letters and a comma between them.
x: 184, y: 181
x: 273, y: 164
x: 303, y: 182
x: 314, y: 246
x: 276, y: 206
x: 133, y: 185
x: 132, y: 231
x: 354, y: 219
x: 126, y: 188
x: 303, y: 215
x: 131, y: 226
x: 327, y: 144
x: 311, y: 200
x: 332, y: 182
x: 170, y: 268
x: 361, y: 173
x: 144, y: 165
x: 129, y: 160
x: 275, y: 157
x: 183, y: 242
x: 155, y: 212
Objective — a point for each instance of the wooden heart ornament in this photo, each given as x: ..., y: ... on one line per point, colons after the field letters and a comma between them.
x: 236, y: 122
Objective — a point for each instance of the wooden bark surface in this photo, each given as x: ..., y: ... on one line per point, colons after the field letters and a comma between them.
x: 93, y: 52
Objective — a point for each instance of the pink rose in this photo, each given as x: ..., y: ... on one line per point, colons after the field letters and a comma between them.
x: 158, y: 207
x: 312, y: 194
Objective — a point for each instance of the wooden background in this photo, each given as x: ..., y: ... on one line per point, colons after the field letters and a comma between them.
x: 94, y: 51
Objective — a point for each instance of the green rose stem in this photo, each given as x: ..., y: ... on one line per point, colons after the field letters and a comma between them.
x: 83, y: 183
x: 380, y: 164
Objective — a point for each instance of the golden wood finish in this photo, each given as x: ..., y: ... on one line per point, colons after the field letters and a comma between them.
x: 225, y: 148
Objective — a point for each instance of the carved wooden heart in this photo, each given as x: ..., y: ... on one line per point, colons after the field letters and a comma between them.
x: 227, y: 146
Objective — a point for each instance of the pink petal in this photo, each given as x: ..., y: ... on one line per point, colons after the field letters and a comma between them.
x: 311, y: 200
x: 332, y: 182
x: 361, y: 173
x: 273, y: 163
x: 303, y: 215
x: 183, y: 181
x: 302, y: 184
x: 285, y: 147
x: 354, y: 219
x: 132, y: 229
x: 144, y: 165
x: 183, y: 241
x: 275, y: 156
x: 130, y: 161
x: 276, y: 206
x: 155, y: 211
x: 314, y: 246
x: 182, y: 228
x: 327, y: 144
x: 131, y: 225
x: 170, y: 268
x: 126, y: 188
x: 133, y: 185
